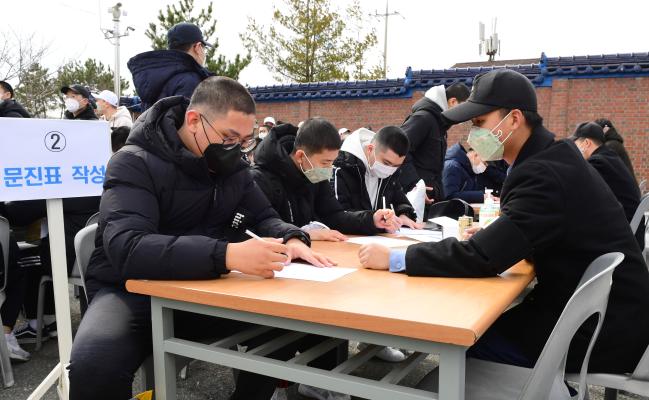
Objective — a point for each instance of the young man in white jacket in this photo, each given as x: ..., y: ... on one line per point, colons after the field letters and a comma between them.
x: 108, y: 106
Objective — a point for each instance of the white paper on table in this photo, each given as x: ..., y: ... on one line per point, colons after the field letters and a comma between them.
x: 308, y: 272
x: 382, y: 240
x: 449, y: 226
x: 421, y: 235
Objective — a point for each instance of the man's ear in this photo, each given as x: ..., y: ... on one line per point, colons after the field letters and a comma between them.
x: 517, y: 119
x: 192, y: 120
x: 452, y: 102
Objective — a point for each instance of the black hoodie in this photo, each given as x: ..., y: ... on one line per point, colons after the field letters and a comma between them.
x: 162, y: 73
x: 297, y: 200
x: 88, y: 113
x: 426, y: 130
x: 10, y: 108
x: 164, y: 216
x: 615, y: 142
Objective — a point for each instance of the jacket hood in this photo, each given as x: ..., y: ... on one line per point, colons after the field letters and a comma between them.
x: 458, y: 154
x: 274, y: 154
x: 352, y: 153
x: 437, y: 94
x: 611, y: 134
x: 157, y: 132
x: 426, y: 104
x: 152, y: 69
x: 121, y: 112
x: 12, y: 106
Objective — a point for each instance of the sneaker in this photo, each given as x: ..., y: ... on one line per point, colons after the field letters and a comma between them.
x: 321, y: 394
x: 50, y: 330
x: 15, y: 351
x: 389, y: 354
x: 27, y: 334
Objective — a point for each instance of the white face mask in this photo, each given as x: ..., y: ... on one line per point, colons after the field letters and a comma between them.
x: 263, y: 134
x: 72, y: 105
x: 381, y: 170
x: 478, y: 169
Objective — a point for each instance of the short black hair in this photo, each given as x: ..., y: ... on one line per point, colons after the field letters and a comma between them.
x: 220, y: 94
x: 316, y: 135
x: 393, y: 138
x: 532, y: 118
x: 459, y: 90
x: 184, y: 47
x: 118, y: 137
x: 7, y: 88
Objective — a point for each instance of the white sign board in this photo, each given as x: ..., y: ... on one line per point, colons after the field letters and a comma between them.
x: 49, y: 158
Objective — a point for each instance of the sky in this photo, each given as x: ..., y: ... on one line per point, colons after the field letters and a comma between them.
x: 425, y: 35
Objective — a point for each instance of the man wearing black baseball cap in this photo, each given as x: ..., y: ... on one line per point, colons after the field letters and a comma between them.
x: 163, y: 73
x: 553, y: 212
x: 78, y: 102
x: 589, y: 138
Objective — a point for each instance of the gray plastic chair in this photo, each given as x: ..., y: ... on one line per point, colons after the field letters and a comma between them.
x: 490, y: 380
x: 5, y: 360
x: 643, y: 208
x: 643, y: 186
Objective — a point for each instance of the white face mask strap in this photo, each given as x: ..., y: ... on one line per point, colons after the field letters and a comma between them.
x: 501, y: 121
x: 310, y: 163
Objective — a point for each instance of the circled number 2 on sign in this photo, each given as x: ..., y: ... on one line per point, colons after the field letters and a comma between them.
x: 54, y: 141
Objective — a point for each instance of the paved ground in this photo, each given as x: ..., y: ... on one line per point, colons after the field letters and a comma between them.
x: 204, y: 381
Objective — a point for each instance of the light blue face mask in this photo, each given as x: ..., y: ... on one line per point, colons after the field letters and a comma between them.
x: 316, y: 175
x: 487, y: 143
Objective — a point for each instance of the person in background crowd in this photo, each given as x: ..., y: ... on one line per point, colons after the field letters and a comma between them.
x: 263, y: 132
x: 78, y: 103
x: 110, y: 110
x: 270, y: 123
x: 293, y: 169
x: 466, y: 176
x: 426, y: 130
x: 614, y: 141
x: 589, y: 139
x: 174, y: 72
x: 9, y: 107
x: 344, y: 133
x: 367, y: 171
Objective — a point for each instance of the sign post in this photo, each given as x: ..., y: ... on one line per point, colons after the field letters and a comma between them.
x: 52, y: 160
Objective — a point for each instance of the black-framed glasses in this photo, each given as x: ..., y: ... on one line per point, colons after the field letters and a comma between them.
x: 230, y: 142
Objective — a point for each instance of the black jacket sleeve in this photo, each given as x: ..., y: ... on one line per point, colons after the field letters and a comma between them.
x: 532, y: 217
x: 341, y: 190
x: 129, y: 208
x: 333, y: 215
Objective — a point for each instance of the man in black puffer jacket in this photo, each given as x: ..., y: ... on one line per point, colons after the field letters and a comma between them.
x: 177, y: 199
x: 367, y: 171
x: 9, y: 107
x: 174, y: 72
x: 293, y: 169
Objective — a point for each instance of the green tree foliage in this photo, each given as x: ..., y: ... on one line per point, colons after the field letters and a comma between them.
x: 183, y: 12
x: 91, y: 73
x: 310, y: 41
x: 37, y: 90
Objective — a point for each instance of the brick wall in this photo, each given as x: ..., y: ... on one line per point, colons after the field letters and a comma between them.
x: 625, y: 101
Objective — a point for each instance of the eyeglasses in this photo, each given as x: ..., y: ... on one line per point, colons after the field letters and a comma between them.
x: 230, y: 142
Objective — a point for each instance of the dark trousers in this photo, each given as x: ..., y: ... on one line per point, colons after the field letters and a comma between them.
x: 114, y: 338
x: 16, y: 285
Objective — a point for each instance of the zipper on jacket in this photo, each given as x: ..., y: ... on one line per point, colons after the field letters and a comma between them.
x: 290, y: 211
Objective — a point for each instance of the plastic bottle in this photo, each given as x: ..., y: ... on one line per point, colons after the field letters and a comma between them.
x: 490, y: 210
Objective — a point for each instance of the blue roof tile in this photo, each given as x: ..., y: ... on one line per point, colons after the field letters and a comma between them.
x: 541, y: 74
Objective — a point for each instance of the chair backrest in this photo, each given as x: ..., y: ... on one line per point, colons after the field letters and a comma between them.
x: 4, y: 242
x: 453, y: 208
x: 643, y: 207
x: 94, y: 219
x: 643, y: 186
x: 84, y: 245
x: 590, y: 298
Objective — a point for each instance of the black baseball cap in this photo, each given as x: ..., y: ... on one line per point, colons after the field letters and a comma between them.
x: 78, y: 89
x: 500, y: 88
x: 589, y: 130
x: 185, y: 33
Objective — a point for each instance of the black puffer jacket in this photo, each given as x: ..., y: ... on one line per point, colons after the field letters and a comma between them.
x: 297, y: 200
x: 87, y: 114
x: 12, y: 109
x: 164, y: 216
x: 350, y: 190
x: 162, y: 73
x: 426, y: 130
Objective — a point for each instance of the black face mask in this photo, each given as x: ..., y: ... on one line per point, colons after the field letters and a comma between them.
x: 220, y: 161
